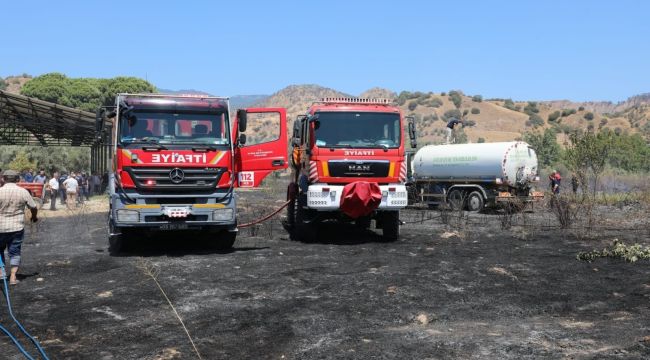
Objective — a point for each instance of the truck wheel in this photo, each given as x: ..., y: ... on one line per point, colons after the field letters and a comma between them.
x: 475, y: 201
x: 302, y: 230
x: 390, y: 226
x: 363, y: 222
x: 455, y: 200
x: 225, y: 240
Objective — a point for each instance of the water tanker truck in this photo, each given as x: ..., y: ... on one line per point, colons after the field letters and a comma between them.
x: 472, y: 176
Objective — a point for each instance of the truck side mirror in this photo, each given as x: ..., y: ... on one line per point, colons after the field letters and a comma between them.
x: 241, y: 117
x: 412, y: 134
x: 242, y: 139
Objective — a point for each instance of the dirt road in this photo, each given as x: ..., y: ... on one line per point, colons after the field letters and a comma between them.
x: 469, y: 292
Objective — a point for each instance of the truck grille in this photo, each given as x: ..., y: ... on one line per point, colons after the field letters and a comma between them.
x: 187, y: 179
x: 362, y: 168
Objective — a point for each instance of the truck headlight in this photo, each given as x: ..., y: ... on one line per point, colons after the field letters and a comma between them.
x: 222, y: 214
x: 124, y: 215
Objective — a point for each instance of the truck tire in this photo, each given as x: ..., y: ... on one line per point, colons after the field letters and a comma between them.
x: 455, y: 200
x: 390, y: 226
x: 475, y: 201
x: 225, y: 240
x: 302, y: 230
x: 363, y: 222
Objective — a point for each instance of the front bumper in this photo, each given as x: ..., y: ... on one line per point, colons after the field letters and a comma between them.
x: 203, y: 212
x: 323, y: 197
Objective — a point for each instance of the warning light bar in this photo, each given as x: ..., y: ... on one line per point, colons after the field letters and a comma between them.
x: 349, y: 100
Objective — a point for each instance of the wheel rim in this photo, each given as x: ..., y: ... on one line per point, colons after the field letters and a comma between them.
x: 474, y: 203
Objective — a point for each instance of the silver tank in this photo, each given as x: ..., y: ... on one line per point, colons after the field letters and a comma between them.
x: 511, y: 163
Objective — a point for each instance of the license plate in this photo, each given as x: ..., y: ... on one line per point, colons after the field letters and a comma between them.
x: 174, y: 227
x: 176, y: 212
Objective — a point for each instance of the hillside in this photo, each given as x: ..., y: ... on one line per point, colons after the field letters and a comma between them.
x: 493, y: 119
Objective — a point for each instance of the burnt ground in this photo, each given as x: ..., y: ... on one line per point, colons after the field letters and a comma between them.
x: 465, y: 289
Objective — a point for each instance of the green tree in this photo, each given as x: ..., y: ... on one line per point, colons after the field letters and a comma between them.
x: 531, y: 108
x: 589, y: 116
x: 83, y: 93
x: 22, y: 162
x: 587, y: 154
x: 454, y: 113
x: 545, y: 145
x: 477, y: 98
x: 3, y: 84
x: 535, y: 120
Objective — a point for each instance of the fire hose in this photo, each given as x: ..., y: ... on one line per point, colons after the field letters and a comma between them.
x: 262, y: 219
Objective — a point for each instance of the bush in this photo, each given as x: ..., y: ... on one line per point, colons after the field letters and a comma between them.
x: 454, y: 113
x: 567, y: 112
x: 589, y: 116
x: 456, y: 98
x: 602, y: 123
x: 536, y: 120
x: 552, y: 117
x: 531, y: 108
x: 581, y: 108
x: 3, y: 84
x: 477, y: 98
x: 476, y: 111
x: 469, y: 123
x: 545, y: 145
x: 509, y: 104
x: 443, y: 94
x: 480, y: 140
x: 413, y: 105
x: 435, y: 102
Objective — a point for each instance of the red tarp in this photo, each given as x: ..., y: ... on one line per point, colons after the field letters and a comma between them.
x: 360, y: 198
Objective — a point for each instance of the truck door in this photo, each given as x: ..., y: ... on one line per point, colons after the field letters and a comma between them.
x: 265, y: 147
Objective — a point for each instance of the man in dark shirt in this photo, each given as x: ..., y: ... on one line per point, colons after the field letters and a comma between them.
x: 450, y: 129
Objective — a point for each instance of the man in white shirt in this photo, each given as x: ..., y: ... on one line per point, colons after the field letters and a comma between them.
x: 71, y: 189
x: 53, y: 187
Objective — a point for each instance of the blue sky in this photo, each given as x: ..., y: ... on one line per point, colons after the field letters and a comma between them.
x: 577, y: 50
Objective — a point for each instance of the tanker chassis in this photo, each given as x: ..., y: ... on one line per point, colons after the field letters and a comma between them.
x: 472, y: 176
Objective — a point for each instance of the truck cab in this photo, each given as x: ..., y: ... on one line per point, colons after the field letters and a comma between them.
x: 348, y: 164
x: 177, y: 159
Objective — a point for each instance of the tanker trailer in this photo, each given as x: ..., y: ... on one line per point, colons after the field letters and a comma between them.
x: 472, y: 176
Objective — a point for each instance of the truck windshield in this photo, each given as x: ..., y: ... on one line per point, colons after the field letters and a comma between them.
x: 197, y: 128
x: 358, y: 130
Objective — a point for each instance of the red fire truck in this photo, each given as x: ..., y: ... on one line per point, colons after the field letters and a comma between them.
x: 348, y: 164
x: 177, y: 159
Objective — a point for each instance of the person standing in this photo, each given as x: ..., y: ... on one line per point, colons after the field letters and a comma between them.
x: 450, y: 130
x: 71, y: 186
x: 84, y: 186
x: 556, y: 183
x: 53, y: 187
x: 97, y: 184
x: 28, y: 176
x: 13, y: 200
x: 62, y: 194
x: 41, y: 177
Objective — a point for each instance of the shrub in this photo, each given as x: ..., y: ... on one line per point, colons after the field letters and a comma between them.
x: 509, y: 104
x: 454, y: 113
x: 412, y: 105
x: 435, y: 102
x: 603, y: 122
x: 589, y: 116
x: 443, y: 94
x: 581, y: 108
x: 469, y: 123
x: 3, y: 84
x: 552, y: 117
x: 535, y: 120
x: 567, y: 112
x: 477, y: 98
x: 480, y: 140
x: 476, y: 111
x: 456, y: 98
x: 531, y: 108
